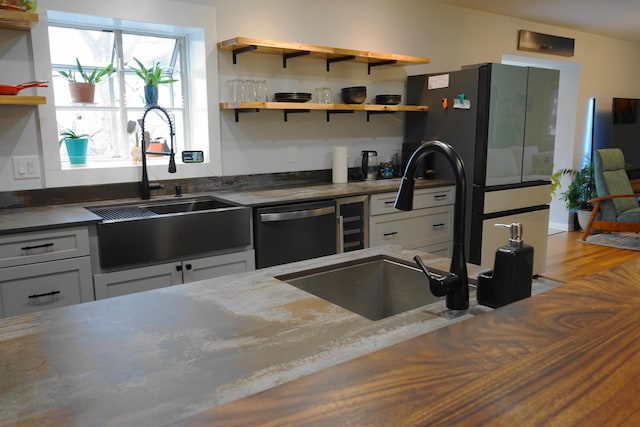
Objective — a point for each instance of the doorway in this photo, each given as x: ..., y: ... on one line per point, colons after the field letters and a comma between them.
x: 563, y: 155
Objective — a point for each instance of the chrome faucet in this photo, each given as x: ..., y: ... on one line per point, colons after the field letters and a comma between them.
x: 456, y: 284
x: 145, y: 188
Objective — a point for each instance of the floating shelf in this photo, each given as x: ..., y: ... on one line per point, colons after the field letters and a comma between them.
x: 22, y: 100
x: 330, y: 54
x: 294, y: 107
x: 16, y: 20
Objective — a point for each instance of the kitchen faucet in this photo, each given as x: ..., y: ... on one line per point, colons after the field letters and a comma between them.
x: 456, y: 284
x: 145, y: 188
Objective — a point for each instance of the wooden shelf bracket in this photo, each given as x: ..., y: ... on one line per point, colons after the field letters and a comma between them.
x: 339, y: 59
x: 240, y: 50
x: 377, y: 64
x: 286, y: 56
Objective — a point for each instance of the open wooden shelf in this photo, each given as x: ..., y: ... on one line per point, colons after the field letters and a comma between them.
x: 326, y: 107
x: 16, y: 20
x: 296, y: 107
x: 22, y: 100
x: 290, y: 50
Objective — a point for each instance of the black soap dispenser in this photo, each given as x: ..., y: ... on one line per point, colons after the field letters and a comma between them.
x: 510, y: 279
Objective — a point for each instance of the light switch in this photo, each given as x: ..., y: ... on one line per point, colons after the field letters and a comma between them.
x: 26, y: 167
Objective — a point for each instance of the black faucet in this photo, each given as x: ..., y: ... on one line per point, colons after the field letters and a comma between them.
x: 145, y: 188
x: 456, y: 284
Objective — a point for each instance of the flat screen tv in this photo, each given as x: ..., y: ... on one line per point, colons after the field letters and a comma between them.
x: 625, y: 132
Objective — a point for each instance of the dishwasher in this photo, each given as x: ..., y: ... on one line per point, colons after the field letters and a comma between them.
x: 294, y: 232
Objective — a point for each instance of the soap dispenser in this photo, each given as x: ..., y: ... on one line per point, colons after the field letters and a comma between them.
x: 512, y: 274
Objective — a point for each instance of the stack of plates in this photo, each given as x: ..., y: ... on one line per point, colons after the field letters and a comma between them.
x: 292, y: 97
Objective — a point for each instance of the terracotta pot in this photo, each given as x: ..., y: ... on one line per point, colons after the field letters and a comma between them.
x: 157, y: 147
x: 82, y: 92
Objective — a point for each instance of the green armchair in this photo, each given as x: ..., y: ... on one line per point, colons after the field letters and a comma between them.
x: 616, y: 203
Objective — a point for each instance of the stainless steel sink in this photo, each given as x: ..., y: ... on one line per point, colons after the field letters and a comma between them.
x: 160, y: 231
x: 375, y: 287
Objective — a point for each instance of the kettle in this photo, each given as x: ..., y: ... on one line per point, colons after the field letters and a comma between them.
x: 369, y: 165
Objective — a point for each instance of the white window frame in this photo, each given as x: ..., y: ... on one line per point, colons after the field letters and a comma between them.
x: 198, y: 23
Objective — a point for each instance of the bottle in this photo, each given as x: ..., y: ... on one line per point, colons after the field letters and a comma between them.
x: 512, y: 274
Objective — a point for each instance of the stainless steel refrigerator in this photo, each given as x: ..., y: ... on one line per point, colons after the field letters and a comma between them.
x: 501, y: 120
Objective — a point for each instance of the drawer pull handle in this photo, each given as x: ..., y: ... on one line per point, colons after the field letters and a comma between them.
x: 390, y: 202
x: 442, y: 224
x: 393, y: 233
x: 440, y: 196
x: 44, y: 245
x: 48, y: 294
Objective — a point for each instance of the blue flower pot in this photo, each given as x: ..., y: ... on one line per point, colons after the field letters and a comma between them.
x: 151, y: 95
x: 77, y: 150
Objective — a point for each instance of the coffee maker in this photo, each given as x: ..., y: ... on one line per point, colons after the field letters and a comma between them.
x: 370, y: 165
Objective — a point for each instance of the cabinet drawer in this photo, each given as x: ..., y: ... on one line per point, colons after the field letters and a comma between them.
x: 413, y: 229
x: 27, y: 248
x: 422, y: 198
x: 30, y: 288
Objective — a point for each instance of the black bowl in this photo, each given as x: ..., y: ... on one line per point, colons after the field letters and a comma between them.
x: 388, y: 99
x: 354, y: 95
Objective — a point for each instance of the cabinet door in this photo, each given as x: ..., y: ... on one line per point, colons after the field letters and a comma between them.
x: 413, y: 229
x: 40, y: 286
x: 137, y: 280
x: 216, y: 266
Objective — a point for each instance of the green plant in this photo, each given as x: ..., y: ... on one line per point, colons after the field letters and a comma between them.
x: 154, y: 75
x: 581, y: 189
x: 94, y: 77
x: 72, y: 133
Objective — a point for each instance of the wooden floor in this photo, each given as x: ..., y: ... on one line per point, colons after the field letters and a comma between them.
x: 568, y: 258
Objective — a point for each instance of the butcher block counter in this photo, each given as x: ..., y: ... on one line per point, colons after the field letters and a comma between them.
x: 249, y: 350
x: 567, y: 357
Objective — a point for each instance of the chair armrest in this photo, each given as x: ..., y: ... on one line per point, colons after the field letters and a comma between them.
x: 612, y: 196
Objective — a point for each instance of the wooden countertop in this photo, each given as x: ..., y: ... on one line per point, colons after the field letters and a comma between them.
x: 567, y: 357
x: 166, y: 355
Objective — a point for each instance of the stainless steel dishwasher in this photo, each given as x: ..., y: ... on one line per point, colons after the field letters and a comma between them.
x: 294, y: 232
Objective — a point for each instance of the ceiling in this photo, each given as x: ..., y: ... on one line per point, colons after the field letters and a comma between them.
x: 614, y: 18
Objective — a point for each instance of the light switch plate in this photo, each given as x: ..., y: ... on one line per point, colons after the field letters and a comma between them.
x: 26, y: 167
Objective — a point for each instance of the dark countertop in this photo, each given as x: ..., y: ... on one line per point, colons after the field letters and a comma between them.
x: 160, y: 356
x: 39, y: 218
x: 567, y: 357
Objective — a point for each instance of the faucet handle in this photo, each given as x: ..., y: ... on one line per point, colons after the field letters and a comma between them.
x: 439, y: 285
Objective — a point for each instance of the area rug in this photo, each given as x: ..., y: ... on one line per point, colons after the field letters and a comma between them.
x: 616, y: 240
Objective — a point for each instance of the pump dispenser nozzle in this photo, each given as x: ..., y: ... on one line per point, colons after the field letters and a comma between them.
x: 515, y: 233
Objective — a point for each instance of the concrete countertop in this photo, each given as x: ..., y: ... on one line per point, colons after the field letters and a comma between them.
x: 39, y: 218
x: 156, y: 357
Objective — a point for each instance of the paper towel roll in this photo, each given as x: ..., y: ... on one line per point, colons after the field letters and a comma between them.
x: 340, y: 167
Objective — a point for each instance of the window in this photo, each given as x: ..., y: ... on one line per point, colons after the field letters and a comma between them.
x: 113, y: 117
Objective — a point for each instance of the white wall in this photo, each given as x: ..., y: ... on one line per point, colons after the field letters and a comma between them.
x: 262, y: 142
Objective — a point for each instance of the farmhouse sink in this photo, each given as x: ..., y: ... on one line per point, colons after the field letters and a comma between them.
x: 375, y: 287
x: 149, y: 233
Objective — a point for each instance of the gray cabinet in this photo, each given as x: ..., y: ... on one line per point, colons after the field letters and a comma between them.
x: 42, y: 270
x: 140, y: 279
x: 428, y: 227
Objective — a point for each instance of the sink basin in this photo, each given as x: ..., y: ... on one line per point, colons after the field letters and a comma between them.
x: 188, y: 206
x: 162, y: 231
x: 375, y: 287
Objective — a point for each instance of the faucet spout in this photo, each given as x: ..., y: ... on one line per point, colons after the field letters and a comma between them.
x: 455, y: 285
x: 145, y: 188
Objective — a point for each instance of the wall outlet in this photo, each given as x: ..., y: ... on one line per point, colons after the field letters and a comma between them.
x: 292, y: 154
x: 26, y: 167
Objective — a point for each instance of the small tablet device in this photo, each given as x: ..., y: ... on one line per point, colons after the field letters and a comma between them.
x: 192, y: 156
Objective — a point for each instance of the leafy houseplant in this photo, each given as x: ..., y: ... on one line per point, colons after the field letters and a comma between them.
x: 83, y: 91
x: 76, y: 143
x: 581, y: 189
x: 153, y: 77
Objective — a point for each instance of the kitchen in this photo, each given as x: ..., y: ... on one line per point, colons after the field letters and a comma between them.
x: 256, y: 154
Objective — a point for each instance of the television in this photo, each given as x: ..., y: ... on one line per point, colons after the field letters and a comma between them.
x: 625, y: 132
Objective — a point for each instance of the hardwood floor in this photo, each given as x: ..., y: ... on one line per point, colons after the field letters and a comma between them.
x: 569, y: 259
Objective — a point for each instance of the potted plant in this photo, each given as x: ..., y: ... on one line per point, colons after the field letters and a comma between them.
x: 153, y: 77
x: 581, y: 189
x: 83, y: 91
x: 76, y: 143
